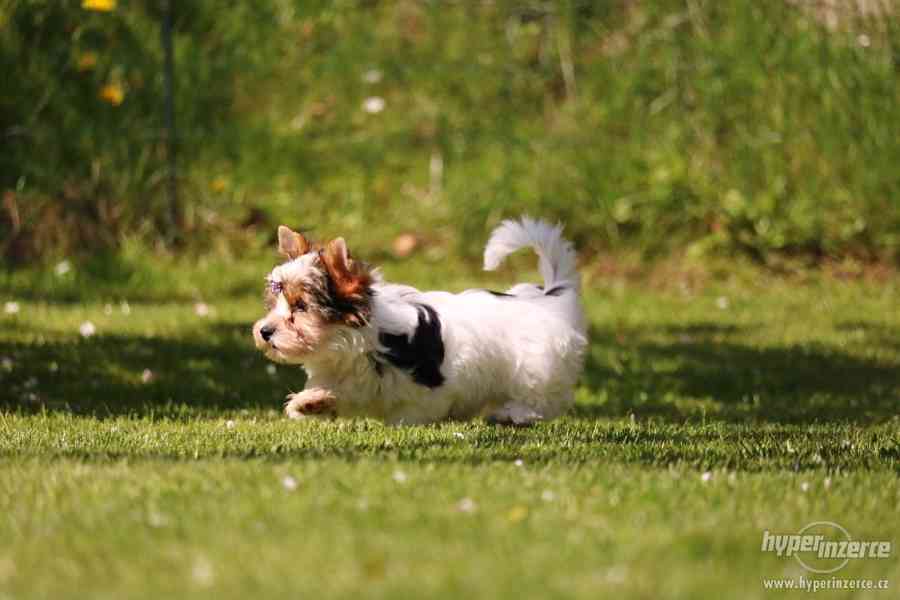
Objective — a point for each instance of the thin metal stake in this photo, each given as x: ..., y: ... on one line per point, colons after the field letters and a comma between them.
x: 171, y: 135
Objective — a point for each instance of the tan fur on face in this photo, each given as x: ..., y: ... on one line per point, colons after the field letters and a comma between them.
x: 297, y: 334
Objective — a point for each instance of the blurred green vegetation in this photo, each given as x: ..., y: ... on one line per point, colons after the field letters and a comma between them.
x: 766, y: 129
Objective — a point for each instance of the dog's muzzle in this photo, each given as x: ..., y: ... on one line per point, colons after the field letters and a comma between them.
x: 262, y: 335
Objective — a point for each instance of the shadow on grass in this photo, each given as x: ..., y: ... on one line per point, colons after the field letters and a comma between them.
x: 677, y: 373
x: 873, y: 333
x: 210, y: 371
x: 700, y: 371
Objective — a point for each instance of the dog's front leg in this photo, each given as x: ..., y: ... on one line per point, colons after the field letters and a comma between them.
x: 311, y: 402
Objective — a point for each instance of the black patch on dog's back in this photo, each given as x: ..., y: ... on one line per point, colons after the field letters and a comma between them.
x: 420, y: 354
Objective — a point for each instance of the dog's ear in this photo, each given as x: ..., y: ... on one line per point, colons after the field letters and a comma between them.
x: 350, y: 278
x: 291, y: 243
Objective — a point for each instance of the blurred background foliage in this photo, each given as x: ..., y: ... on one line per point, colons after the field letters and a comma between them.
x: 763, y: 129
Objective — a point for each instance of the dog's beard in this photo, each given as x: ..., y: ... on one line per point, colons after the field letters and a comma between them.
x: 288, y: 351
x: 277, y: 356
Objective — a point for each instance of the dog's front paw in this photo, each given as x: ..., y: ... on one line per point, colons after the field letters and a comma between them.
x: 310, y: 403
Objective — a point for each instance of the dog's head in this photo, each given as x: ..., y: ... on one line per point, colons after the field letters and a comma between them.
x: 317, y: 291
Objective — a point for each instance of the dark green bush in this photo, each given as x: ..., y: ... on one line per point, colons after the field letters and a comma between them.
x: 765, y: 128
x: 82, y: 117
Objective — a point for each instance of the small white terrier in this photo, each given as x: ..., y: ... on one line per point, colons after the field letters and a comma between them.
x: 378, y: 349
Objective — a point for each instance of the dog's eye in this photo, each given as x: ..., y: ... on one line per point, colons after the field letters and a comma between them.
x: 299, y: 305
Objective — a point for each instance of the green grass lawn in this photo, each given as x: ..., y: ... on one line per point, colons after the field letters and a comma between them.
x: 151, y: 459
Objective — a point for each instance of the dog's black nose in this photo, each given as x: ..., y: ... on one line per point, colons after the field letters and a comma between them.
x: 266, y: 331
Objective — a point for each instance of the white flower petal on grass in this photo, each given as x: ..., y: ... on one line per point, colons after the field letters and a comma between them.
x: 289, y: 483
x: 827, y: 482
x: 202, y: 571
x: 372, y: 76
x: 271, y: 370
x: 87, y: 329
x: 298, y: 122
x: 519, y: 462
x: 201, y: 309
x: 373, y: 105
x: 458, y: 435
x: 11, y: 308
x: 548, y: 496
x: 156, y: 519
x: 706, y: 477
x: 804, y: 487
x: 399, y: 476
x: 229, y: 424
x: 722, y: 302
x: 125, y: 308
x: 466, y: 505
x: 617, y: 574
x: 62, y: 268
x: 6, y: 363
x: 146, y: 376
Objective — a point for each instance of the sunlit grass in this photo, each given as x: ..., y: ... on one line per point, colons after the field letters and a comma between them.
x: 151, y: 459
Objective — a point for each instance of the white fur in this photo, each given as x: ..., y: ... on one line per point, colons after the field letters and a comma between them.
x: 557, y: 257
x: 513, y: 360
x: 296, y: 269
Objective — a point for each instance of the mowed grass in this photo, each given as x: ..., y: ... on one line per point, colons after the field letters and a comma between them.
x: 151, y: 460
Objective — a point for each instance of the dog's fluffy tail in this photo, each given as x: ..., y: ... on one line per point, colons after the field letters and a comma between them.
x: 556, y: 255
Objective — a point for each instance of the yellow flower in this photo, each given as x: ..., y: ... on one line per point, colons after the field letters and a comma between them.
x: 218, y: 184
x: 517, y: 513
x: 99, y: 5
x: 87, y: 61
x: 112, y: 93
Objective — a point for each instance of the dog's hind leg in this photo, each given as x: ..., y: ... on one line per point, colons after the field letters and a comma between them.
x: 533, y: 405
x: 514, y: 413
